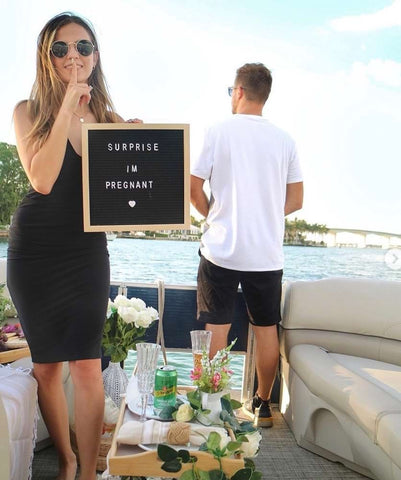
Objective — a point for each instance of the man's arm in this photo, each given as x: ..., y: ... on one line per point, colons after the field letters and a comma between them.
x: 294, y: 197
x: 198, y: 197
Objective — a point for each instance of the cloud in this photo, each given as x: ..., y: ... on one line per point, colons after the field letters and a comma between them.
x: 387, y: 72
x: 385, y: 18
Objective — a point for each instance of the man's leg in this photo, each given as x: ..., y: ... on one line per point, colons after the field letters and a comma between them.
x: 262, y: 291
x: 266, y: 358
x: 216, y: 293
x: 219, y: 337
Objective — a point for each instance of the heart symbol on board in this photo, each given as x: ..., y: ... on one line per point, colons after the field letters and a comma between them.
x: 132, y: 203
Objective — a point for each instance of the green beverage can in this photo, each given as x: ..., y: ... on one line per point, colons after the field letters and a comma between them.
x: 165, y: 387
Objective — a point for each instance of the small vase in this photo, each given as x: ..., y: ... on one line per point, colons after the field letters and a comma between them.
x: 115, y: 382
x: 211, y: 401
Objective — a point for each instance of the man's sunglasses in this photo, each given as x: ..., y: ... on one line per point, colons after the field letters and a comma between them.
x: 60, y: 49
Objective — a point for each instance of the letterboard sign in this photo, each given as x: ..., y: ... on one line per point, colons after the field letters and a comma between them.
x: 135, y: 176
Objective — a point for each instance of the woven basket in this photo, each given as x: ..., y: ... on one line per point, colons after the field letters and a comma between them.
x: 105, y: 444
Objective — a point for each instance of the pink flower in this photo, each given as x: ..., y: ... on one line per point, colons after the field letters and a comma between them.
x: 214, y: 375
x: 216, y: 379
x: 196, y: 374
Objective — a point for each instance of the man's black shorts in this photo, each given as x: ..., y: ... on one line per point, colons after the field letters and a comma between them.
x: 218, y: 286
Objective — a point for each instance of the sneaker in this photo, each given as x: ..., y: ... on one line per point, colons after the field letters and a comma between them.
x: 262, y: 412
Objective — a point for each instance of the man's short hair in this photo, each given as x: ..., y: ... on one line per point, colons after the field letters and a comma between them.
x: 256, y: 80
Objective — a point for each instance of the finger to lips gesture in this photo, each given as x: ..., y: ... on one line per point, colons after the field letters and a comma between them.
x: 80, y: 92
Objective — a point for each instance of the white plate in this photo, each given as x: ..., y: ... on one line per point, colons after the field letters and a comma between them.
x: 135, y: 408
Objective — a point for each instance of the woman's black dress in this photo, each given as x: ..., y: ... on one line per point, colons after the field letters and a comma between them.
x: 58, y: 275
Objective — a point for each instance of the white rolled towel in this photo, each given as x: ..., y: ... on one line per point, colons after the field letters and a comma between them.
x: 174, y: 433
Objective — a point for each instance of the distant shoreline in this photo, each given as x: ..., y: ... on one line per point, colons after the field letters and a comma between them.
x: 4, y: 235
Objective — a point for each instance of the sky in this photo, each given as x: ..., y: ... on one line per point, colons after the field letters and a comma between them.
x: 336, y: 67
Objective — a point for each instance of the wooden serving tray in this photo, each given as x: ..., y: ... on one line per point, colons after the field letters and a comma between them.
x: 15, y: 354
x: 133, y: 460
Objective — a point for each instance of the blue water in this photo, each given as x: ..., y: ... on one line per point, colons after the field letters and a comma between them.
x: 176, y: 262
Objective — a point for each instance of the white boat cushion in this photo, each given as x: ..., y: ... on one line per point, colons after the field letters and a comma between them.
x: 384, y: 375
x: 389, y: 438
x: 361, y: 306
x: 368, y: 391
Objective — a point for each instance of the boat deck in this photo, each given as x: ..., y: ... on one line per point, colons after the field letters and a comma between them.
x: 279, y: 458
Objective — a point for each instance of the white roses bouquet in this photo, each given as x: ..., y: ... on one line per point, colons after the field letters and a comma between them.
x: 126, y: 322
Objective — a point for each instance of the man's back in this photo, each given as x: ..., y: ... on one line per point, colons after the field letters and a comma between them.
x: 248, y: 162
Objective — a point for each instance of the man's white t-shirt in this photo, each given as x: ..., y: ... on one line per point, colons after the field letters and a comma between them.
x: 248, y: 162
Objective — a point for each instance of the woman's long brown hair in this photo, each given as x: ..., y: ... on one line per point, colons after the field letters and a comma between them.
x: 48, y: 90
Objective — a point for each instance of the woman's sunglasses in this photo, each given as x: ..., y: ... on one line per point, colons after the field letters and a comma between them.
x: 60, y: 49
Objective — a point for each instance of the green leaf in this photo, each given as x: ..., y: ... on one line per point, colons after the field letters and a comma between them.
x: 243, y: 474
x: 167, y: 413
x: 226, y: 405
x: 166, y: 453
x: 172, y: 466
x: 203, y: 475
x: 217, y: 475
x: 246, y: 427
x: 184, y: 455
x: 230, y: 420
x: 249, y: 463
x: 256, y: 475
x: 194, y: 399
x: 203, y: 447
x: 188, y: 475
x: 213, y: 441
x: 235, y: 404
x: 233, y: 446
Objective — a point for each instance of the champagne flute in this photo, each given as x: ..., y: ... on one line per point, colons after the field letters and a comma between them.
x: 200, y: 340
x: 147, y: 355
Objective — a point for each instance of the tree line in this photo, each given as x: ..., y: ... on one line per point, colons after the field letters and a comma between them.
x: 297, y: 229
x: 13, y: 180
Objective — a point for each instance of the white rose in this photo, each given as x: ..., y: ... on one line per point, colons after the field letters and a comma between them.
x: 128, y: 314
x: 138, y: 304
x: 153, y: 313
x: 109, y: 311
x: 251, y: 447
x: 185, y: 413
x: 143, y: 319
x: 121, y: 301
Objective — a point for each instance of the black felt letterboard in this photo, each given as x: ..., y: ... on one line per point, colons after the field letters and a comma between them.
x: 135, y: 176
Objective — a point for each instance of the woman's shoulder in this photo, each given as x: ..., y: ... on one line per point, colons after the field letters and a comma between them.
x: 21, y: 109
x: 22, y: 118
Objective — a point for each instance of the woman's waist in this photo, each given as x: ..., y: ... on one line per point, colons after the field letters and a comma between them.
x: 51, y: 238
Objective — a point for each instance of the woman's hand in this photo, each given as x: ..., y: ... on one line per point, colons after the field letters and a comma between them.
x: 77, y: 94
x: 134, y: 120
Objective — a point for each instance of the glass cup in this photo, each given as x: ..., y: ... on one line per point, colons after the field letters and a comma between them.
x: 146, y: 364
x: 200, y: 340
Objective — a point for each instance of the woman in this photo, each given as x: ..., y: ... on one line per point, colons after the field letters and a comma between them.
x: 58, y: 275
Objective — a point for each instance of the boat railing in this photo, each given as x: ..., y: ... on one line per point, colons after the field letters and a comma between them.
x: 179, y: 318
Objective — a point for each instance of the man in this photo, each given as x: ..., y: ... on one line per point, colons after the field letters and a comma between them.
x: 255, y: 180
